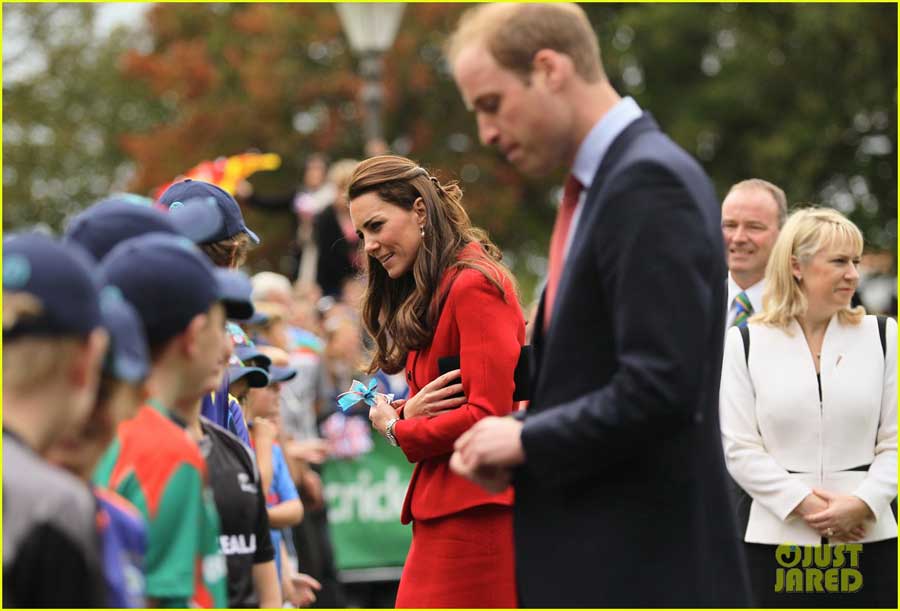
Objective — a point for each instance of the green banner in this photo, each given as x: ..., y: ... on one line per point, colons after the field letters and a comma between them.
x: 364, y: 498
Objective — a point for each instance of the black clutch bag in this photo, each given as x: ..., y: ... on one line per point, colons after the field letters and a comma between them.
x: 521, y: 376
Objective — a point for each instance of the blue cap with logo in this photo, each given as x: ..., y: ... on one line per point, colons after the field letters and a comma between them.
x: 187, y: 192
x: 127, y: 358
x: 244, y: 347
x: 257, y: 377
x: 56, y: 283
x: 247, y: 360
x: 112, y: 220
x: 169, y: 281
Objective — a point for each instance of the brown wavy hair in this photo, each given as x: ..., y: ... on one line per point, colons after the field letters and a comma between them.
x: 401, y: 314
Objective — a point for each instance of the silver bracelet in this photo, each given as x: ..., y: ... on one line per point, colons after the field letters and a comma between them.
x: 389, y: 432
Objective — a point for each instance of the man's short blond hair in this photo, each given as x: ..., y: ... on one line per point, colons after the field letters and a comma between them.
x: 765, y: 186
x: 514, y: 33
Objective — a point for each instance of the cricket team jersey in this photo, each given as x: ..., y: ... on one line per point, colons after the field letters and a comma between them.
x: 241, y: 504
x: 123, y: 542
x: 155, y: 464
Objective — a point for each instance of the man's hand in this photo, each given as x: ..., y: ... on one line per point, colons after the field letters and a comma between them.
x: 493, y: 479
x: 487, y: 452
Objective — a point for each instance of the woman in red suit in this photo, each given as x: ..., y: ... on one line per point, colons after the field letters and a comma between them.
x: 437, y: 288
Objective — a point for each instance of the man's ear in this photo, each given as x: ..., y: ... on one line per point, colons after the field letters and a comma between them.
x: 88, y: 361
x: 552, y: 68
x: 188, y: 339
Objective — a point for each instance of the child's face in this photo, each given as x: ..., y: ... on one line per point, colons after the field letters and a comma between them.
x: 81, y: 450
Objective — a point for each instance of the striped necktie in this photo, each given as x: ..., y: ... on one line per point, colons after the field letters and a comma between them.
x: 744, y: 310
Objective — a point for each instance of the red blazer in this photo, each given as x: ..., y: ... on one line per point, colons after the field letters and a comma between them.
x: 487, y: 332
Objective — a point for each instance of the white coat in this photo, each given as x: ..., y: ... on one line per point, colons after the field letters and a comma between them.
x: 780, y: 442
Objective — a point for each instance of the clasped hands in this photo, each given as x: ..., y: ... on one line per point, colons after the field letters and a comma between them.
x: 841, y: 516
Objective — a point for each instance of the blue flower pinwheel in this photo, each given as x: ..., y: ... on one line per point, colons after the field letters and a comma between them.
x: 358, y: 392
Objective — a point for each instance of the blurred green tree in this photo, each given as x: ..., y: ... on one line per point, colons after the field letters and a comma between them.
x: 65, y: 106
x: 804, y: 95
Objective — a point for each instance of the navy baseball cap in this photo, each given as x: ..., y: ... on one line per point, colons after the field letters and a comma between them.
x: 185, y: 193
x: 169, y: 280
x: 244, y: 347
x: 281, y: 374
x: 127, y: 358
x: 257, y: 377
x: 117, y: 218
x: 59, y: 282
x: 235, y: 293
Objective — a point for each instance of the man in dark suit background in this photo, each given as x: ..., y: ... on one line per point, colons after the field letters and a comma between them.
x: 621, y: 496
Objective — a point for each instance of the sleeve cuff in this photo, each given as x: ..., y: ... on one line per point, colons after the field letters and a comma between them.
x: 871, y: 500
x: 787, y: 501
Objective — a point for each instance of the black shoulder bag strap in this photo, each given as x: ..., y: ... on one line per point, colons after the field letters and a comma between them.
x: 745, y: 336
x: 882, y: 335
x: 739, y: 496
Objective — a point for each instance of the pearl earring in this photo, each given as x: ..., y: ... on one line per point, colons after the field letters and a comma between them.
x: 422, y: 231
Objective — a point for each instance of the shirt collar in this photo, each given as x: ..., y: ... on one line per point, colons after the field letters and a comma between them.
x: 594, y: 147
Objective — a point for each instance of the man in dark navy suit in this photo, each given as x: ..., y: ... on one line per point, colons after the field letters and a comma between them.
x: 621, y: 496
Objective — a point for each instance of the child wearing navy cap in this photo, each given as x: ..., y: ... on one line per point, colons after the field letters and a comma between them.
x: 227, y: 248
x: 53, y: 343
x: 120, y: 526
x: 181, y: 300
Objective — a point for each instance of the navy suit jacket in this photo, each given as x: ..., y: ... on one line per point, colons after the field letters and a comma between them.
x: 623, y: 497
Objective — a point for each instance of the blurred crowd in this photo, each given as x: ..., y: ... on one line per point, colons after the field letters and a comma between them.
x: 290, y: 346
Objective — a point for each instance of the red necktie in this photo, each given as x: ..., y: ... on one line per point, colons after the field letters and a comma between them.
x: 558, y: 243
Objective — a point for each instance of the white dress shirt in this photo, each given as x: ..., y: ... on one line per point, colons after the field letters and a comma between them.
x: 780, y: 442
x: 593, y: 149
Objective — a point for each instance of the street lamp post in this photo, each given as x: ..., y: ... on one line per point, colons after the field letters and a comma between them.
x: 371, y: 28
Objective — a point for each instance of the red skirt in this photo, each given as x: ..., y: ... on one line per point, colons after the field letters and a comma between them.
x: 464, y: 560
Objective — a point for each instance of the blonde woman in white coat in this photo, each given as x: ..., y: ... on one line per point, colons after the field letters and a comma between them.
x: 809, y: 416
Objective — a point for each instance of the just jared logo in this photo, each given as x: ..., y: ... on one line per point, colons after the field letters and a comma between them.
x: 825, y: 568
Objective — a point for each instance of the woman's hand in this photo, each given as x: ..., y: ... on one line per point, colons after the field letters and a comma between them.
x: 811, y: 504
x: 381, y: 413
x: 435, y: 397
x: 844, y: 517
